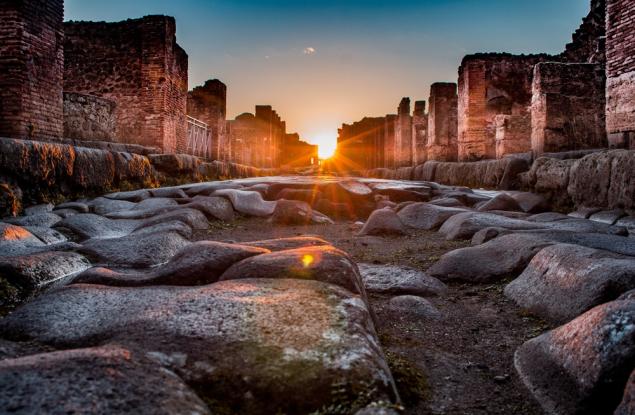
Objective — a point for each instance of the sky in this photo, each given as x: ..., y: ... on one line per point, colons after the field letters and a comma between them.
x: 322, y: 63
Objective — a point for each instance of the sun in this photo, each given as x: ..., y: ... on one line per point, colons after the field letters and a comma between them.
x: 327, y: 145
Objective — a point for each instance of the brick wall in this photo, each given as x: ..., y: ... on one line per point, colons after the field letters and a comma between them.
x: 208, y: 103
x: 90, y: 118
x: 489, y: 85
x: 620, y: 71
x: 31, y: 68
x: 442, y: 122
x: 567, y: 109
x: 137, y: 64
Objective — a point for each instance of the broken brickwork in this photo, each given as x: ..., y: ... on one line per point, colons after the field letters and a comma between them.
x: 567, y: 111
x: 31, y: 68
x: 138, y: 65
x: 489, y: 85
x: 208, y: 103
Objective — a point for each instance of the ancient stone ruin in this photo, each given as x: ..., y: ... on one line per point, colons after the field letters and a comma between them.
x: 473, y: 257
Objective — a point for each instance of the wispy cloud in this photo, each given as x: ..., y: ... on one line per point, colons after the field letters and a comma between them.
x: 309, y: 51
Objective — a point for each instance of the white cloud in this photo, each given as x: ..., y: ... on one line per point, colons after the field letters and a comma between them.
x: 309, y: 51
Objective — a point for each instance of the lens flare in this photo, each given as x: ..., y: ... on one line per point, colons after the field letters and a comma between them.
x: 307, y: 260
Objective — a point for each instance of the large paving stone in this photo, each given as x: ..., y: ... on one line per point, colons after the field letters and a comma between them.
x: 15, y: 240
x: 248, y: 203
x: 319, y: 263
x: 284, y: 244
x: 465, y: 225
x: 88, y: 225
x: 103, y: 205
x: 168, y: 192
x: 501, y: 201
x: 295, y: 346
x: 35, y: 270
x: 213, y: 207
x: 136, y: 250
x: 38, y: 209
x: 503, y: 257
x: 155, y: 202
x: 100, y: 380
x: 530, y: 202
x: 427, y: 216
x: 131, y: 196
x: 391, y: 279
x: 563, y: 281
x: 79, y: 207
x: 194, y: 218
x: 383, y: 222
x: 47, y: 219
x: 197, y: 264
x: 46, y: 235
x: 627, y: 406
x: 610, y: 217
x: 296, y: 212
x: 583, y: 366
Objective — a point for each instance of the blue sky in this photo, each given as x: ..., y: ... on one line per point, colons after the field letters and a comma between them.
x: 321, y: 63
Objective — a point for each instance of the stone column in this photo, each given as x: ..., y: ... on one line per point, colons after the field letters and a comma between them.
x: 442, y: 122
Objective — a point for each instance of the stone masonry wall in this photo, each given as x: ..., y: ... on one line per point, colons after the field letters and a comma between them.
x: 491, y: 84
x: 442, y: 122
x: 31, y: 68
x: 620, y: 72
x: 567, y: 111
x: 90, y: 118
x: 390, y: 125
x: 137, y: 64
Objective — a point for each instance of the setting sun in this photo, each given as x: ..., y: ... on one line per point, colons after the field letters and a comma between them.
x: 327, y: 145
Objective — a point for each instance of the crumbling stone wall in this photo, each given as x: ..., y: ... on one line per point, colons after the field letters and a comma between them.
x: 588, y: 41
x: 620, y: 72
x: 90, y: 118
x: 137, y: 64
x: 567, y: 111
x: 443, y: 122
x: 489, y: 85
x: 419, y: 132
x: 31, y: 68
x: 208, y: 103
x: 403, y: 135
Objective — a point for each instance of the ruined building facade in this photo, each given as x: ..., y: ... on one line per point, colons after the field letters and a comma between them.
x: 620, y: 72
x: 31, y: 64
x: 257, y: 139
x: 138, y: 65
x: 208, y: 103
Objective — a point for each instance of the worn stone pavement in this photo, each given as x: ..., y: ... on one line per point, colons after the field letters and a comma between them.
x: 117, y: 305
